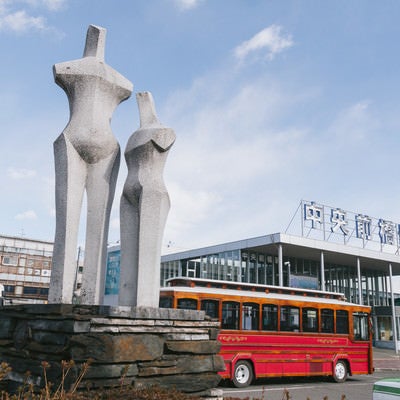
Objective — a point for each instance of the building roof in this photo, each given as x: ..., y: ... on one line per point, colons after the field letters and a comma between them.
x: 23, y: 245
x: 302, y: 247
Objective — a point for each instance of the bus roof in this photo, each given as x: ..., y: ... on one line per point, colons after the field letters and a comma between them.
x: 198, y: 285
x: 255, y: 287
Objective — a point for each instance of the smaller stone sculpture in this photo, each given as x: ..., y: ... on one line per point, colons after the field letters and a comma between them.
x: 87, y: 156
x: 144, y: 208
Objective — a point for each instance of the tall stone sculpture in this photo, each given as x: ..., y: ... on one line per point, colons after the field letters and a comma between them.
x: 144, y: 208
x: 87, y: 156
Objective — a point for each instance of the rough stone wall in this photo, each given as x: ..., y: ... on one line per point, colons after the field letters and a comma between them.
x: 139, y: 346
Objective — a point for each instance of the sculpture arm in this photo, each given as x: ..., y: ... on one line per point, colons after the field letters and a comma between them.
x: 164, y: 139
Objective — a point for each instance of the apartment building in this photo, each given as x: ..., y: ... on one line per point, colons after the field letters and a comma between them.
x: 25, y: 269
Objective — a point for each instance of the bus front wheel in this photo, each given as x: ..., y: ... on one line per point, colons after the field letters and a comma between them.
x: 340, y: 371
x: 243, y: 375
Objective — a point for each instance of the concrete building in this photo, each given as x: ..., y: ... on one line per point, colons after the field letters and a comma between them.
x: 25, y: 269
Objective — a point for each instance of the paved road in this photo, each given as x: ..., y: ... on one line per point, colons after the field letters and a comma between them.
x: 355, y: 388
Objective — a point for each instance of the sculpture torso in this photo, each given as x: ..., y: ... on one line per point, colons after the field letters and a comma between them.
x: 145, y: 155
x: 89, y: 128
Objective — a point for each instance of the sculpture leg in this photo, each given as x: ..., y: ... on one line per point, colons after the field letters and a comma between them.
x: 100, y: 188
x: 129, y: 220
x: 70, y: 172
x: 154, y: 207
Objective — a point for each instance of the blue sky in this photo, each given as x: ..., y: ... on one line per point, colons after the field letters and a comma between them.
x: 271, y: 101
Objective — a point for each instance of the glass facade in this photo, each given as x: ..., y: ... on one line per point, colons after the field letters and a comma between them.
x: 262, y: 268
x: 234, y: 266
x: 112, y: 273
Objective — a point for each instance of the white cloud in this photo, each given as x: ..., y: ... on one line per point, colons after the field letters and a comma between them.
x: 190, y: 209
x: 3, y: 5
x: 271, y: 40
x: 51, y: 5
x: 236, y: 152
x: 20, y: 173
x: 354, y: 123
x: 30, y: 214
x: 20, y: 20
x: 184, y: 5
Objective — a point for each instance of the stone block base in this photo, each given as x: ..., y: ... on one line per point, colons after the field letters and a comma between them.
x: 124, y: 346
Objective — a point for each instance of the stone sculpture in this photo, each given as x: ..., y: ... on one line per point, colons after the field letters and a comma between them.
x: 144, y: 208
x: 87, y: 156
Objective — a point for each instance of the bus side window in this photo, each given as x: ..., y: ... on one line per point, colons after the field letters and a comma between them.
x: 269, y: 317
x: 360, y: 325
x: 327, y: 320
x: 210, y: 307
x: 310, y: 319
x: 187, y: 304
x: 230, y: 315
x: 250, y: 313
x: 290, y: 320
x: 166, y: 302
x: 342, y: 321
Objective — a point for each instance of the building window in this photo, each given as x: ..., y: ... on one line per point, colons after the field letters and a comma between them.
x: 30, y: 290
x: 10, y: 260
x: 9, y: 289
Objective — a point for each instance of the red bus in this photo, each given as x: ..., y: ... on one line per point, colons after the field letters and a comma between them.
x: 270, y: 331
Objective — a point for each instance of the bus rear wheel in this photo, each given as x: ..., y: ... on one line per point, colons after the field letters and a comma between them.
x: 340, y: 371
x: 243, y: 374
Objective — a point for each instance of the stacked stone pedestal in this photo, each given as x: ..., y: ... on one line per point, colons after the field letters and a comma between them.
x: 124, y: 345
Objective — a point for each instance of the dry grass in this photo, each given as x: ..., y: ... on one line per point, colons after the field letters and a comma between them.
x: 28, y: 392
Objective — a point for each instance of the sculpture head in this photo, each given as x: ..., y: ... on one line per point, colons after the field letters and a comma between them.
x: 92, y: 55
x: 95, y: 42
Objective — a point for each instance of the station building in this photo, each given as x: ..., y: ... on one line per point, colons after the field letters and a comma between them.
x: 324, y: 248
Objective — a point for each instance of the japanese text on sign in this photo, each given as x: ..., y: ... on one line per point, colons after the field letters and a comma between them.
x: 359, y: 225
